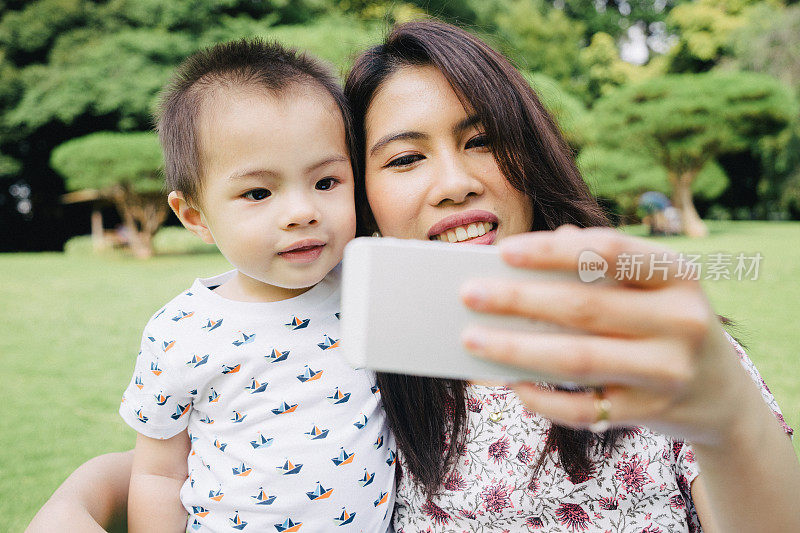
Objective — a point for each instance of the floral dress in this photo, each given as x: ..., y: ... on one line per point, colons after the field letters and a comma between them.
x: 640, y: 485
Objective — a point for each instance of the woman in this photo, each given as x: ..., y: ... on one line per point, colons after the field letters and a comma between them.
x: 449, y: 135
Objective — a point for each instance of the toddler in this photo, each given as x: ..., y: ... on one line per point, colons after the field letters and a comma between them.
x: 241, y: 373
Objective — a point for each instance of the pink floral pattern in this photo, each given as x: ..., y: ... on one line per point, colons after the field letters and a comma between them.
x: 641, y: 485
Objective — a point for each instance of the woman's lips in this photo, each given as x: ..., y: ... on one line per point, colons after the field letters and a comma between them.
x: 465, y: 232
x: 306, y: 251
x: 473, y: 227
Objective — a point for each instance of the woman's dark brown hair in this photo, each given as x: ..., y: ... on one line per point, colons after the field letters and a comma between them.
x: 428, y: 415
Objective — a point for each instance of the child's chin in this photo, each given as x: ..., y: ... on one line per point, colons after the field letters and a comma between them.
x: 304, y: 283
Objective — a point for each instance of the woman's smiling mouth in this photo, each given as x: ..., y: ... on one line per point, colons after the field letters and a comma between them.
x: 465, y: 232
x: 474, y: 227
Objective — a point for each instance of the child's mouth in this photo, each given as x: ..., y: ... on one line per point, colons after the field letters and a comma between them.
x: 303, y: 252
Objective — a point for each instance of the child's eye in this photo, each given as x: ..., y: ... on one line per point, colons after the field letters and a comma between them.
x: 326, y: 184
x: 257, y: 194
x: 479, y: 141
x: 405, y: 160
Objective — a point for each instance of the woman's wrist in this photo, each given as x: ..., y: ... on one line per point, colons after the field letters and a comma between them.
x: 741, y: 419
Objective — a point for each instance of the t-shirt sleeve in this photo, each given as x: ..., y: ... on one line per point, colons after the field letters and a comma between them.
x: 769, y: 399
x: 157, y: 402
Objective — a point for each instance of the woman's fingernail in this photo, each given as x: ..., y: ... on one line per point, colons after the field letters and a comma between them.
x: 474, y: 294
x: 513, y: 252
x: 473, y: 340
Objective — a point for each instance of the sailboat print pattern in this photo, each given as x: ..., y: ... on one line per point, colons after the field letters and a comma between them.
x: 274, y: 413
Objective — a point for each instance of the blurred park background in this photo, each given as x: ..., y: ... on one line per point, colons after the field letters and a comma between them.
x: 696, y: 99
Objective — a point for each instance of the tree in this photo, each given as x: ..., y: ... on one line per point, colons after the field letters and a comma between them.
x: 536, y: 36
x: 126, y: 169
x: 704, y: 28
x: 602, y: 66
x: 69, y: 68
x: 770, y: 43
x: 682, y: 122
x: 622, y: 176
x: 568, y: 111
x: 615, y: 17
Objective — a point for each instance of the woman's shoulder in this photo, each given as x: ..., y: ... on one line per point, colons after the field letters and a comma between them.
x: 755, y: 375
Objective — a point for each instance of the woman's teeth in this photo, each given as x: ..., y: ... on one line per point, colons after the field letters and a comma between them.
x: 463, y: 233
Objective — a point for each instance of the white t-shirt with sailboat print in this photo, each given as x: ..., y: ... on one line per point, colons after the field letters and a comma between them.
x: 284, y: 434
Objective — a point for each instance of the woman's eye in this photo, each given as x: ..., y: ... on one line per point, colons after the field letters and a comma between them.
x: 325, y: 184
x: 257, y: 194
x: 479, y: 141
x: 405, y: 160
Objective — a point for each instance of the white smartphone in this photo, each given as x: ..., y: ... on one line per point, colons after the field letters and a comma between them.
x: 402, y: 313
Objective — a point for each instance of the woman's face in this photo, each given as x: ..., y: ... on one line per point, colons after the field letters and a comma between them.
x: 430, y: 173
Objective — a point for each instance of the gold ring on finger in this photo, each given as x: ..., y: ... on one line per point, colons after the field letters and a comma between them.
x: 602, y: 407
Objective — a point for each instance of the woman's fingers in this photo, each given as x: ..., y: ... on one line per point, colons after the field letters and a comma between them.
x: 586, y: 359
x: 629, y: 260
x: 578, y: 409
x: 607, y: 309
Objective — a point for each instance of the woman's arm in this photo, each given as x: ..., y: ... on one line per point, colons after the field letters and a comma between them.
x: 157, y: 475
x: 655, y: 346
x: 93, y: 498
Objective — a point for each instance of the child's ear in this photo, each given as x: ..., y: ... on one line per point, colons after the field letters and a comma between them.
x: 191, y: 217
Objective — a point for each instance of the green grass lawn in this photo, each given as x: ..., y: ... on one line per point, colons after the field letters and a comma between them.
x: 71, y: 326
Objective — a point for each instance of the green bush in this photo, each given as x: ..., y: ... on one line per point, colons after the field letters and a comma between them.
x: 169, y: 240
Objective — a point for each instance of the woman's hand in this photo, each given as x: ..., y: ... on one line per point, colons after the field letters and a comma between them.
x: 657, y: 350
x: 651, y: 341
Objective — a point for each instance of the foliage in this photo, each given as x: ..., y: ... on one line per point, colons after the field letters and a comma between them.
x: 681, y: 122
x: 539, y: 38
x: 335, y: 38
x: 622, y: 175
x: 769, y: 43
x: 615, y: 17
x: 603, y: 69
x: 116, y: 74
x: 568, y: 111
x: 8, y: 165
x: 169, y: 240
x: 10, y: 85
x: 28, y: 33
x: 120, y: 74
x: 106, y: 159
x: 125, y: 168
x: 704, y: 28
x: 69, y: 68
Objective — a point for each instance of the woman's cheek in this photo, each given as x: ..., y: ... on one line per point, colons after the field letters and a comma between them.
x: 386, y: 215
x: 399, y: 202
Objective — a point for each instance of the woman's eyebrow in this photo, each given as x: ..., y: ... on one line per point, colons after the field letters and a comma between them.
x: 466, y: 124
x: 462, y: 125
x: 403, y: 135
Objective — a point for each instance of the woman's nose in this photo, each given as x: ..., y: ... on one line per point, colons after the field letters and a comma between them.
x: 454, y: 182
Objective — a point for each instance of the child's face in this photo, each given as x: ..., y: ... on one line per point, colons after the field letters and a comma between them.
x: 277, y: 190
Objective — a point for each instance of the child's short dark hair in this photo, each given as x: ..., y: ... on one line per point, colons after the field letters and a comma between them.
x: 242, y: 63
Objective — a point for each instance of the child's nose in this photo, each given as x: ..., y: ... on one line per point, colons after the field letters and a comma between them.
x: 300, y: 212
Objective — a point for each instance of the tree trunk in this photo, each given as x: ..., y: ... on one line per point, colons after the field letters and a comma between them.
x: 98, y: 233
x: 142, y: 216
x: 693, y: 225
